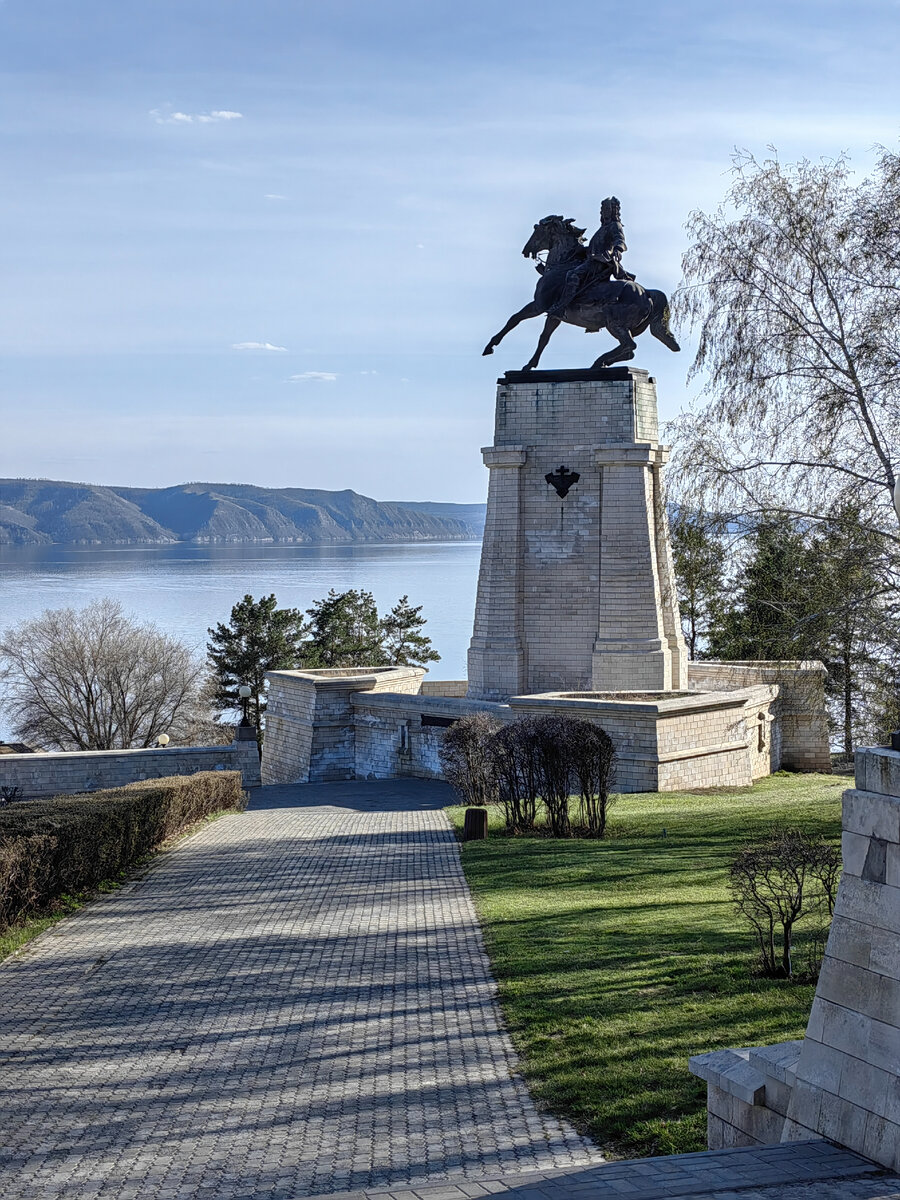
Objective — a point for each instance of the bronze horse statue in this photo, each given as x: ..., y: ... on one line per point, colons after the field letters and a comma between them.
x: 619, y: 305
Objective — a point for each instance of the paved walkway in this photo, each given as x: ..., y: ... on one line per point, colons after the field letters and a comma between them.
x: 294, y: 1001
x: 297, y: 1002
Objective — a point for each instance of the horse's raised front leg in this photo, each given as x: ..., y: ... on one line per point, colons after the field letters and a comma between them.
x: 621, y: 353
x: 530, y: 310
x: 550, y: 325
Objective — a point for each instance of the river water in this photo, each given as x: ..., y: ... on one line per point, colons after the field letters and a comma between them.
x: 184, y: 589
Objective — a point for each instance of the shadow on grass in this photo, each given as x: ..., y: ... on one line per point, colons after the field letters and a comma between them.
x: 618, y: 959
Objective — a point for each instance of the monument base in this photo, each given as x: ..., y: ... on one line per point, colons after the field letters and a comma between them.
x: 383, y: 723
x: 576, y: 588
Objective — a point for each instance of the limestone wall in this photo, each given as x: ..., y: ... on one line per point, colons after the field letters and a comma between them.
x: 445, y: 687
x: 400, y: 735
x: 91, y: 770
x: 342, y: 725
x: 842, y: 1082
x: 680, y: 743
x: 310, y: 736
x: 802, y: 716
x: 575, y: 591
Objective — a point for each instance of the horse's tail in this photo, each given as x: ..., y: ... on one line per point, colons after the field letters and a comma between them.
x: 659, y: 320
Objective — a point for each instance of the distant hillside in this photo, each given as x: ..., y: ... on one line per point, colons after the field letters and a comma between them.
x: 36, y: 512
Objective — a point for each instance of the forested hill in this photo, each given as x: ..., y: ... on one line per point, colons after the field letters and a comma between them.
x: 36, y: 512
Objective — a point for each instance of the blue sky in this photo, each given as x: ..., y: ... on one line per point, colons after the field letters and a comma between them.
x: 350, y: 185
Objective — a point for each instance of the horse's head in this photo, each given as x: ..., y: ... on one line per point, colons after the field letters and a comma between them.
x: 550, y: 232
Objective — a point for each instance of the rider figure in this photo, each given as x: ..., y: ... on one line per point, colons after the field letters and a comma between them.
x: 604, y: 258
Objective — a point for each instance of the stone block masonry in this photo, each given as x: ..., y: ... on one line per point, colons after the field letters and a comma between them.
x: 802, y: 720
x: 842, y: 1082
x: 330, y: 726
x: 92, y: 770
x: 576, y: 591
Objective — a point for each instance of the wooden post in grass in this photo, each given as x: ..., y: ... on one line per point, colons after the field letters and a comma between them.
x: 475, y: 826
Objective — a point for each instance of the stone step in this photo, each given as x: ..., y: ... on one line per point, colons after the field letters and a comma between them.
x: 813, y: 1170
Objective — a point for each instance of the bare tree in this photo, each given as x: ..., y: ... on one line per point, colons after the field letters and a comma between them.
x: 777, y: 883
x: 794, y: 285
x: 93, y: 679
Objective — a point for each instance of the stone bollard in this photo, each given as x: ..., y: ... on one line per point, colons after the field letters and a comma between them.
x: 475, y: 826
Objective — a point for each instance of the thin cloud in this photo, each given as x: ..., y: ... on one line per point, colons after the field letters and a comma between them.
x: 313, y: 377
x: 258, y: 346
x: 274, y: 196
x: 164, y: 116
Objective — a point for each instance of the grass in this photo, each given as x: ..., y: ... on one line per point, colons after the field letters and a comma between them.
x: 19, y: 934
x: 617, y: 960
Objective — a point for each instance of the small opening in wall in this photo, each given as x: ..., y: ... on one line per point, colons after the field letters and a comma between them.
x: 761, y: 732
x: 404, y: 738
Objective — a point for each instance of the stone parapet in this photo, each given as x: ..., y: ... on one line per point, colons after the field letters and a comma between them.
x: 802, y: 716
x: 309, y: 719
x: 94, y: 770
x: 676, y: 741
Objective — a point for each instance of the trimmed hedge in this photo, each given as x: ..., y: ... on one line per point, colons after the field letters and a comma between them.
x: 66, y: 844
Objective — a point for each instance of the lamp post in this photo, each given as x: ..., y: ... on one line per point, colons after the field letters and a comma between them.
x: 162, y: 741
x: 245, y: 692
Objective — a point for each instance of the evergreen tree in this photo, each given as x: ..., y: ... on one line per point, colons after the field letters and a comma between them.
x: 698, y: 553
x: 825, y: 593
x: 259, y: 637
x: 776, y: 611
x: 344, y: 631
x: 863, y: 644
x: 402, y: 638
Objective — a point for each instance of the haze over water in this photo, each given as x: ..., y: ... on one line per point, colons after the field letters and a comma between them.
x: 184, y: 588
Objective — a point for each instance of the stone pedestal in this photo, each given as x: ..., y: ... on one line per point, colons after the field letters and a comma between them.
x: 576, y: 590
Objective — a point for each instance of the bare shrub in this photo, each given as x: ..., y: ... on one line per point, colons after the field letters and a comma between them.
x: 93, y: 679
x: 543, y: 761
x: 515, y: 757
x: 466, y: 759
x: 553, y: 755
x: 775, y: 884
x: 592, y: 755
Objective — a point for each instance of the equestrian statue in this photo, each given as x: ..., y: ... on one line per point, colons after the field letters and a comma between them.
x: 587, y: 285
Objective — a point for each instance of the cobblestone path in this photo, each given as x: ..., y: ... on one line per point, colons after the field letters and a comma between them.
x: 295, y: 1001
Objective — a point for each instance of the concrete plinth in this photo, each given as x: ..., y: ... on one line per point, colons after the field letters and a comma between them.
x: 576, y: 590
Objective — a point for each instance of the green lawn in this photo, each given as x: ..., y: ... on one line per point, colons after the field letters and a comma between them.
x: 617, y: 960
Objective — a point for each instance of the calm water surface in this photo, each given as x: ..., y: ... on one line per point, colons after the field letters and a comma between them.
x: 185, y: 589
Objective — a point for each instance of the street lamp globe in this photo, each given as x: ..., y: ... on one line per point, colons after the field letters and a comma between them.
x: 245, y: 692
x: 162, y: 741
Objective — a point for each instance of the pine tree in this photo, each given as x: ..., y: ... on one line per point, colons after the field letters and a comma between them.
x: 259, y: 637
x: 402, y: 638
x: 699, y: 556
x: 344, y: 631
x: 777, y: 610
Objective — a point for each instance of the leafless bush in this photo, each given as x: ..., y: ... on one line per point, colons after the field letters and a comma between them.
x: 93, y: 679
x: 553, y: 754
x: 592, y: 755
x: 514, y: 753
x: 545, y: 760
x: 777, y: 883
x: 466, y: 760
